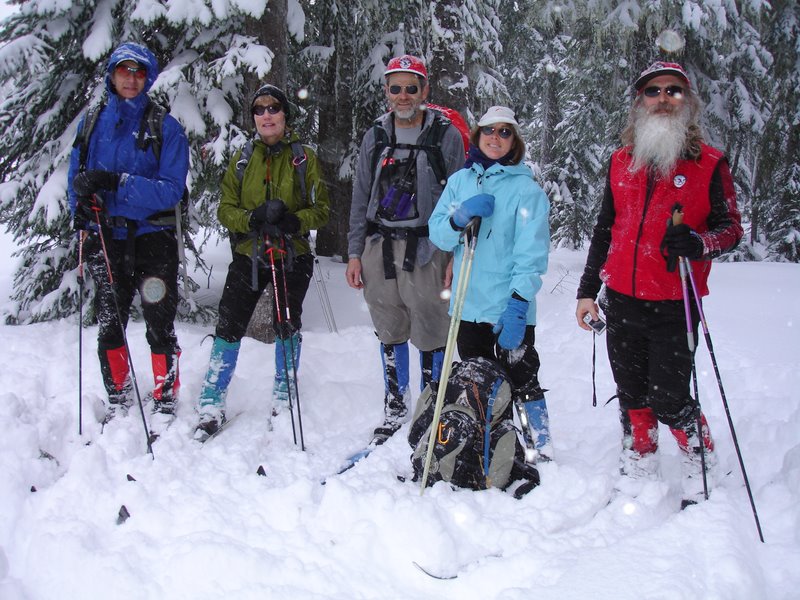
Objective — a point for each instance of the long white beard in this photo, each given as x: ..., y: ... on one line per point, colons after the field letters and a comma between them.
x: 659, y: 140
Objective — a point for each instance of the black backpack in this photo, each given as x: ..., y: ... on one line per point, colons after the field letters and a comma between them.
x: 476, y: 444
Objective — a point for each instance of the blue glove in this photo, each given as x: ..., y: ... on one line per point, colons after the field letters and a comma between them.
x: 511, y: 325
x: 480, y: 205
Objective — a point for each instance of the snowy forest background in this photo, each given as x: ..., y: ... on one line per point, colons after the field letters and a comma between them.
x: 566, y: 67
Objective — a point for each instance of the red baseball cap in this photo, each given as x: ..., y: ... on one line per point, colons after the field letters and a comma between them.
x: 661, y: 68
x: 406, y: 64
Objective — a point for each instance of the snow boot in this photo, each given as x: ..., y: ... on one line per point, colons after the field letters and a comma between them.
x: 430, y: 365
x: 396, y: 399
x: 284, y: 387
x: 535, y: 407
x: 211, y: 405
x: 692, y: 461
x: 115, y: 369
x: 639, y: 444
x: 167, y: 381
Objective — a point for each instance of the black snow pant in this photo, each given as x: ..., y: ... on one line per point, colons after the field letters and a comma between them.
x: 649, y: 355
x: 239, y: 299
x: 152, y: 269
x: 521, y: 364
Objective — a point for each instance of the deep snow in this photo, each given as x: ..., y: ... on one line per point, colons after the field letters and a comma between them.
x: 203, y: 524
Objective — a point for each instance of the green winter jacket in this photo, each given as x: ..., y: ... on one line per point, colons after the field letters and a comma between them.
x: 270, y: 175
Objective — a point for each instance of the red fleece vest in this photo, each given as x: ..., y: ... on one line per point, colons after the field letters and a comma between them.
x: 634, y: 265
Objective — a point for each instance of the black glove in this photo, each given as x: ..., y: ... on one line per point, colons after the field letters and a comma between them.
x: 89, y: 182
x: 289, y: 224
x: 680, y: 240
x: 272, y: 211
x: 86, y: 211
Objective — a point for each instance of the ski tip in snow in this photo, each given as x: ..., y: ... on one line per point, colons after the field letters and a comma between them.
x: 123, y: 515
x: 431, y: 574
x: 352, y: 460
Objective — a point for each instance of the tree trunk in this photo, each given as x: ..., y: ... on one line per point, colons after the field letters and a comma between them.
x: 446, y: 70
x: 335, y: 131
x: 269, y: 30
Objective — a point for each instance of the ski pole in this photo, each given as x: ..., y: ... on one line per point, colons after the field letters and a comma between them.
x: 291, y: 344
x: 322, y: 291
x: 710, y: 345
x: 181, y: 251
x: 122, y: 328
x: 471, y: 235
x: 690, y: 342
x: 81, y: 237
x: 677, y: 219
x: 280, y: 317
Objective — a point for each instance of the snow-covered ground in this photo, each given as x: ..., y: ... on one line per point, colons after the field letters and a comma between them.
x: 204, y: 524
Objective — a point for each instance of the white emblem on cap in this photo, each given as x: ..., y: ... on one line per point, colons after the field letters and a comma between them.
x: 405, y: 62
x: 679, y: 181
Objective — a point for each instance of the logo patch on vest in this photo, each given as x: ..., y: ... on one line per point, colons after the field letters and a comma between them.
x: 679, y: 181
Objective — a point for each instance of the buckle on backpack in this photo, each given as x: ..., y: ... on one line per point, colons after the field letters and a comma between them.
x: 299, y: 160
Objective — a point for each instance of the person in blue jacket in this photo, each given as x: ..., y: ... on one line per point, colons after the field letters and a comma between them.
x: 499, y: 313
x: 118, y: 184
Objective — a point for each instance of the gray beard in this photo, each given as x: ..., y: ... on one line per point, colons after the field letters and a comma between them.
x: 406, y: 115
x: 659, y: 141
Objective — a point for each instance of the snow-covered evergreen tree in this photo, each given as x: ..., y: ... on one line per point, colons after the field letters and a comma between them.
x: 777, y: 203
x: 53, y: 62
x: 565, y: 67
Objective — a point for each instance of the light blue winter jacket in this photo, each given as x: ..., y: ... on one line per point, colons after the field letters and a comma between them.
x: 146, y: 187
x: 513, y: 244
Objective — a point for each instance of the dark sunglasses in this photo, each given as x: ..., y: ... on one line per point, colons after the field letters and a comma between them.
x: 503, y: 132
x: 397, y: 89
x: 272, y: 109
x: 671, y: 90
x: 138, y: 72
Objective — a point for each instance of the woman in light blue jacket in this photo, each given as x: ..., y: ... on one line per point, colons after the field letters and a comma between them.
x: 499, y: 313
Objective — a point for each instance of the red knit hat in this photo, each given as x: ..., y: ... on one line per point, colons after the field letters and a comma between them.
x: 406, y: 64
x: 661, y: 68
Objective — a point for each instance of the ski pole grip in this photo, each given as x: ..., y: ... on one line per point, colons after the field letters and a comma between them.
x: 472, y: 228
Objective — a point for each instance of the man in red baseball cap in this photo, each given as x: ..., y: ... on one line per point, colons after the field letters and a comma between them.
x: 661, y: 68
x: 403, y: 165
x: 662, y: 165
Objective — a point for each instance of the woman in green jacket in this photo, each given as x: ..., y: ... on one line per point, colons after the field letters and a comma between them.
x: 272, y: 196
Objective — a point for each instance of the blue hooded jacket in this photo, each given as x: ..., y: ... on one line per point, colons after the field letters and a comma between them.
x: 513, y: 244
x: 146, y: 186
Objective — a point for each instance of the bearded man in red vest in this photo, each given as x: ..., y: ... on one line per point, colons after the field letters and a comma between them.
x: 635, y: 245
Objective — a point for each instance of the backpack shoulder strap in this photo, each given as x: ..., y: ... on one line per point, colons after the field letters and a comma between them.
x: 85, y: 134
x: 300, y: 164
x: 152, y: 122
x: 433, y: 146
x: 381, y: 141
x: 244, y: 159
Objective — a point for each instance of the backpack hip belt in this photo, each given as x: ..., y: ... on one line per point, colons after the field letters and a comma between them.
x: 410, y: 234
